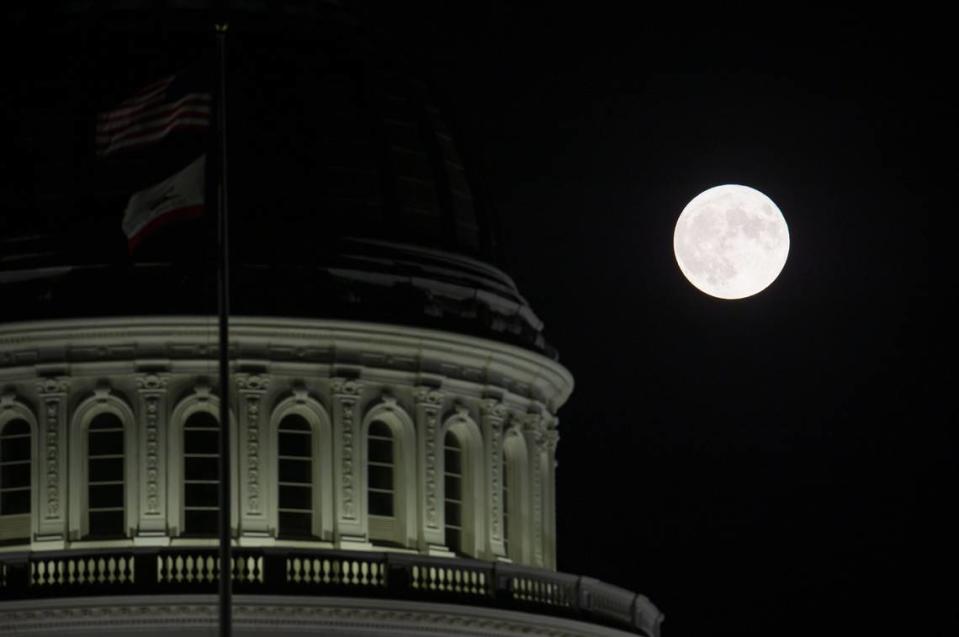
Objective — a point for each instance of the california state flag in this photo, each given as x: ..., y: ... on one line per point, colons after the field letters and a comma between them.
x: 175, y: 197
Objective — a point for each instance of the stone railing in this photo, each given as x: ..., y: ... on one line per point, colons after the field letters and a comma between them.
x: 327, y: 572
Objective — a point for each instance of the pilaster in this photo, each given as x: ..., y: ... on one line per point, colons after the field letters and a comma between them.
x: 351, y: 529
x: 429, y: 480
x: 534, y: 431
x: 494, y: 413
x: 549, y: 494
x: 152, y: 411
x: 52, y: 523
x: 253, y: 484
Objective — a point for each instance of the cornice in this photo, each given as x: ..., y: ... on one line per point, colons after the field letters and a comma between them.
x: 269, y: 614
x: 65, y: 342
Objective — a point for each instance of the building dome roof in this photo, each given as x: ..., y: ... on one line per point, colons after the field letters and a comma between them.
x: 348, y: 197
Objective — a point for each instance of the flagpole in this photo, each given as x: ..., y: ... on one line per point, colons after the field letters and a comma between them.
x: 223, y: 283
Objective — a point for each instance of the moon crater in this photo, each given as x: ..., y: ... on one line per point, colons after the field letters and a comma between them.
x: 731, y: 241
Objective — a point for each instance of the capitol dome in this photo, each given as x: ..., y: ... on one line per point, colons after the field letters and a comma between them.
x: 393, y: 403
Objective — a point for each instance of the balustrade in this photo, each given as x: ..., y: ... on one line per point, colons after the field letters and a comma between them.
x: 143, y: 571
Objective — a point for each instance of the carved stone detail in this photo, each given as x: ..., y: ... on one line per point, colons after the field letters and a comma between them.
x: 152, y: 403
x: 429, y: 400
x: 428, y: 396
x: 252, y: 386
x: 551, y: 440
x: 53, y: 391
x: 347, y: 391
x: 151, y: 387
x: 346, y: 387
x: 253, y: 453
x: 53, y: 386
x: 494, y: 411
x: 534, y: 425
x: 253, y: 382
x: 151, y: 382
x: 348, y: 507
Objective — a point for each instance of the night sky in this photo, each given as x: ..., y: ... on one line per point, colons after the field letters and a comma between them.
x: 780, y: 465
x: 776, y: 465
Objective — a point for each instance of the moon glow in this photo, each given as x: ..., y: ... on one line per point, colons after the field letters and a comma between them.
x: 731, y: 241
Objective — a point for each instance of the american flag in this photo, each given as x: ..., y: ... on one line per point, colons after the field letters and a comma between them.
x: 151, y: 114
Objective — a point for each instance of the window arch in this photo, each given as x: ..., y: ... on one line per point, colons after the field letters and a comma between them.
x: 16, y: 478
x: 389, y: 453
x: 103, y: 494
x: 463, y: 515
x: 195, y: 435
x: 301, y: 504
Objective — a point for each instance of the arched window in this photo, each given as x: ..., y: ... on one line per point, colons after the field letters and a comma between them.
x: 380, y: 464
x: 295, y: 472
x: 105, y: 478
x: 453, y: 491
x: 201, y: 474
x: 15, y: 458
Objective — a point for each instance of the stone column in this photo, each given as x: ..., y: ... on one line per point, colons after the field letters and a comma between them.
x: 350, y: 523
x: 428, y: 478
x: 52, y: 420
x: 493, y: 415
x: 255, y: 486
x: 534, y: 429
x: 152, y: 417
x: 549, y: 495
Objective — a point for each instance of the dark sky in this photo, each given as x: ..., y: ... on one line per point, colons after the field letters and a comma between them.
x: 776, y: 465
x: 780, y: 465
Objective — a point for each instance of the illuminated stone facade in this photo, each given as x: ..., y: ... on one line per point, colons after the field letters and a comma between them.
x: 339, y: 377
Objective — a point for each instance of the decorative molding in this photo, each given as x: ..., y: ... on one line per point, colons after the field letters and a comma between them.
x: 534, y: 426
x: 428, y: 396
x: 272, y: 614
x: 152, y: 387
x: 152, y: 408
x: 53, y: 390
x: 252, y: 382
x: 347, y: 392
x: 429, y: 400
x: 53, y: 386
x: 494, y: 408
x: 7, y: 400
x: 202, y: 391
x: 346, y: 386
x: 348, y: 507
x: 253, y: 453
x: 495, y: 412
x: 551, y: 440
x: 152, y: 382
x: 251, y: 387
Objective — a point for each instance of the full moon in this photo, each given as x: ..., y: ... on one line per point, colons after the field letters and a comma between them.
x: 731, y: 241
